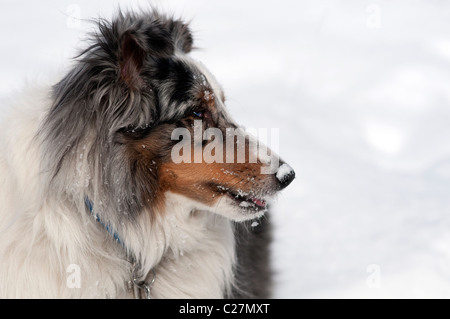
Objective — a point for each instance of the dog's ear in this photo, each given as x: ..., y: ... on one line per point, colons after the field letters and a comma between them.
x: 132, y: 56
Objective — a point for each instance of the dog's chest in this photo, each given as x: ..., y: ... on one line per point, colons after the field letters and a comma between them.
x: 199, y: 260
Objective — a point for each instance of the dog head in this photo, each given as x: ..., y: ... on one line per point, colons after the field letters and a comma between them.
x: 138, y: 123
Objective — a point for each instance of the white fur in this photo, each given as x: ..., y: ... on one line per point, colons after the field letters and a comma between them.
x: 48, y: 251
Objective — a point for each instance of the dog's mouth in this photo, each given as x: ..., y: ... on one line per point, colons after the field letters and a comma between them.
x: 245, y: 201
x: 249, y: 202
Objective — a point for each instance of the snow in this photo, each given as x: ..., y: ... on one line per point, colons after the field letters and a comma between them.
x: 360, y: 92
x: 245, y: 204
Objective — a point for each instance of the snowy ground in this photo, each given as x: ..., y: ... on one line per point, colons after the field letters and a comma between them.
x: 360, y: 91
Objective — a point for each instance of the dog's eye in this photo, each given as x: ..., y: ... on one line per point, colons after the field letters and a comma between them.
x: 199, y: 114
x: 202, y: 114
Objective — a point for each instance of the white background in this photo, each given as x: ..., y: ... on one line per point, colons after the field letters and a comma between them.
x: 360, y: 92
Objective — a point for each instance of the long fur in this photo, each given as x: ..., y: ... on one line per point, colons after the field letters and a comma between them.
x: 102, y: 134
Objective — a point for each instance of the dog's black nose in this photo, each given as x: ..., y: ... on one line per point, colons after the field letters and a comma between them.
x: 285, y: 175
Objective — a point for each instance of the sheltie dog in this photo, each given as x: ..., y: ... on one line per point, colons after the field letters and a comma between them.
x: 94, y: 199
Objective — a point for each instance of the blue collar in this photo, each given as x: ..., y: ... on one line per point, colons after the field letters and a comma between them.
x: 106, y: 226
x: 139, y: 286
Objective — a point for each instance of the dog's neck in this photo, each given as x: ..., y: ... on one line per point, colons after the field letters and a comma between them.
x: 188, y: 253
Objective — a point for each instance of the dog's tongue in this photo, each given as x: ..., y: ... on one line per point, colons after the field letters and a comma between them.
x: 259, y: 202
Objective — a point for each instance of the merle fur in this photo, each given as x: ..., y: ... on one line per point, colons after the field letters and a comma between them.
x: 116, y: 86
